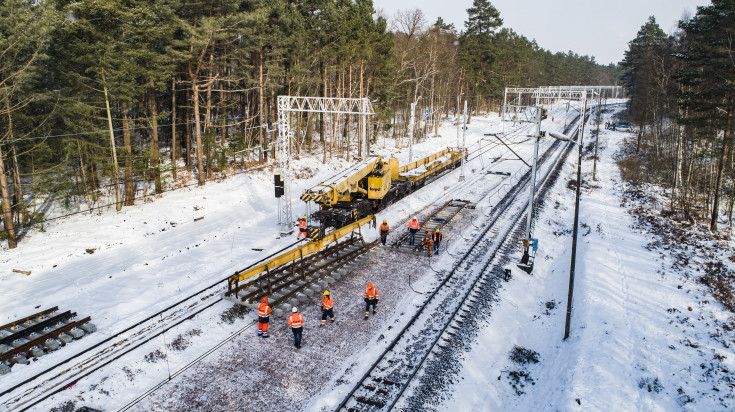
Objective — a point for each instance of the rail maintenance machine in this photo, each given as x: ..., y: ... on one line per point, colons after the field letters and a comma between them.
x: 369, y: 186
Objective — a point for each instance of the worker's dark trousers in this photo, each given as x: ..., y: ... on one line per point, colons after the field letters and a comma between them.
x: 412, y: 236
x: 436, y: 247
x: 370, y: 302
x: 297, y: 336
x: 327, y: 313
x: 383, y: 237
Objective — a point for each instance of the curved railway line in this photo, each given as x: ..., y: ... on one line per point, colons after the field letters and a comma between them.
x: 446, y: 307
x: 52, y: 380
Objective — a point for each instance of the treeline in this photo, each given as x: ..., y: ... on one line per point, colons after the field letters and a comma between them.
x: 103, y: 102
x: 681, y: 88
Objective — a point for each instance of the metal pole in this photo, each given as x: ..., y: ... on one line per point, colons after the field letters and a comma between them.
x: 282, y: 164
x: 502, y: 109
x: 458, y: 96
x: 597, y: 136
x: 532, y: 188
x: 576, y: 222
x: 410, y: 133
x: 364, y: 128
x: 464, y: 140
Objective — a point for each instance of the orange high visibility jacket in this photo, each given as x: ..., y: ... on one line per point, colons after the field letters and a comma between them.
x: 437, y: 236
x: 327, y: 303
x: 414, y: 224
x: 384, y: 228
x: 264, y: 310
x: 295, y: 320
x: 371, y: 293
x: 302, y: 224
x: 428, y: 238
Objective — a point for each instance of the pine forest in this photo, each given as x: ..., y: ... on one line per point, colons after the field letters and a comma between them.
x: 105, y: 103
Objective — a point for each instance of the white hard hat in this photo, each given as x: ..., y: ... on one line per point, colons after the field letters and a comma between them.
x: 295, y: 309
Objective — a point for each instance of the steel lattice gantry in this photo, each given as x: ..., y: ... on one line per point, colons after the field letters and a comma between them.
x: 553, y: 93
x: 288, y: 104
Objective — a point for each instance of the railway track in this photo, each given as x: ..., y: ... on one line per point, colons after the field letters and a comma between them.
x: 39, y: 334
x: 54, y: 379
x: 446, y: 308
x: 39, y: 387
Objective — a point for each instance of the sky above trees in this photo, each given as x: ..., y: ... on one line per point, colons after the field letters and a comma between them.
x: 611, y: 26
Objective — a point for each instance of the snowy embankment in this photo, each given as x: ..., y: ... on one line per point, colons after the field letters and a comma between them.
x: 119, y: 268
x: 645, y: 335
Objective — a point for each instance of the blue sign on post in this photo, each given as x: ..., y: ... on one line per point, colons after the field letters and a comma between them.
x: 535, y: 244
x: 426, y: 112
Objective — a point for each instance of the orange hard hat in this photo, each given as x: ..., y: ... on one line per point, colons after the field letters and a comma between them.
x: 265, y: 299
x: 370, y: 285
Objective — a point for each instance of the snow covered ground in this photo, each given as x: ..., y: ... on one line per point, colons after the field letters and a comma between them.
x: 644, y: 336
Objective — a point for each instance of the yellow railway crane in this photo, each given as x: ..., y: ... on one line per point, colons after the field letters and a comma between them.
x: 372, y: 184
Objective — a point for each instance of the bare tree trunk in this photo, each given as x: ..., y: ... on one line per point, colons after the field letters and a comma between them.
x: 5, y: 191
x: 679, y: 158
x: 349, y: 116
x: 129, y: 188
x: 187, y: 138
x: 209, y: 138
x: 324, y: 120
x: 261, y: 106
x: 7, y: 214
x: 198, y: 134
x: 115, y: 172
x: 720, y: 168
x: 195, y: 87
x: 361, y: 118
x: 155, y: 156
x: 173, y: 128
x: 82, y: 170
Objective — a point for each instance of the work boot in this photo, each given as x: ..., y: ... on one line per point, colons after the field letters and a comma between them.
x: 332, y: 320
x: 367, y: 314
x: 375, y: 310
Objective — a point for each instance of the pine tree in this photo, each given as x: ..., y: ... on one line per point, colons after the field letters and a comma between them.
x: 637, y: 67
x: 709, y: 80
x: 23, y: 29
x: 477, y: 52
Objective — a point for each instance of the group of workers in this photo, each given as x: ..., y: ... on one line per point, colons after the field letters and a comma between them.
x: 296, y: 319
x: 371, y: 297
x: 431, y: 240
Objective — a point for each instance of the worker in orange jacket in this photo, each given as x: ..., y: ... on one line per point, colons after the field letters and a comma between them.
x: 263, y: 314
x: 437, y: 241
x: 413, y: 227
x: 302, y: 228
x: 327, y: 308
x: 384, y: 230
x: 427, y: 240
x: 296, y: 321
x: 371, y: 299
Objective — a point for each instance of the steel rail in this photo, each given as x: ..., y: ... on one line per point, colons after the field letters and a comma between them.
x: 507, y: 200
x: 135, y: 325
